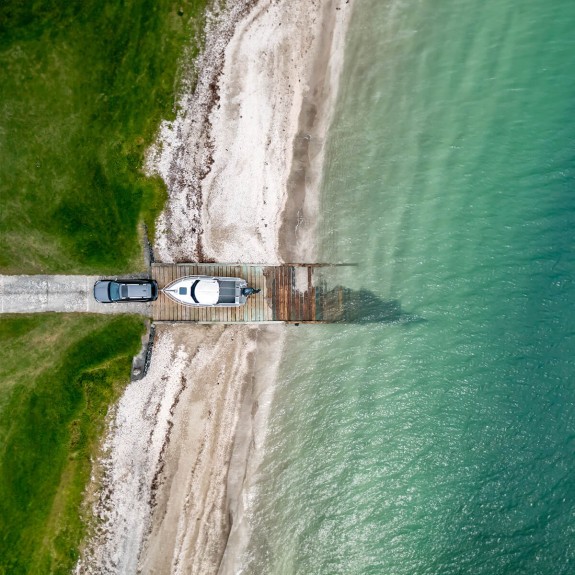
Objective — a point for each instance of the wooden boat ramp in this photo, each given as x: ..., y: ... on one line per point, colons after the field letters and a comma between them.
x: 290, y: 293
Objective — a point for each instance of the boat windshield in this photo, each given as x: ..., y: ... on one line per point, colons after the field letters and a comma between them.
x: 114, y: 291
x: 193, y: 291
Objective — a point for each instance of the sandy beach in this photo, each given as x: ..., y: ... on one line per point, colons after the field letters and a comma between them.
x: 243, y: 163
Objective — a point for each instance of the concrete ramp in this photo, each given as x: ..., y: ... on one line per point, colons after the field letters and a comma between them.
x: 59, y: 293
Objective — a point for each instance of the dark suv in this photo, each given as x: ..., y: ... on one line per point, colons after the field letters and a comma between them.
x: 112, y: 291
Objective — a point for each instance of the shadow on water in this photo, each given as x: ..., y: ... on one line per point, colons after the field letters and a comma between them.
x: 344, y: 305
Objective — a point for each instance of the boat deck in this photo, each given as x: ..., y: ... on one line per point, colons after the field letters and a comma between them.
x: 288, y: 294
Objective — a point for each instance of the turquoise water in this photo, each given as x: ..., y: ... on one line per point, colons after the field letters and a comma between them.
x: 447, y: 445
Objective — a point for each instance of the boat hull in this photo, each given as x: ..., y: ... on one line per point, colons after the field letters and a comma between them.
x: 207, y: 291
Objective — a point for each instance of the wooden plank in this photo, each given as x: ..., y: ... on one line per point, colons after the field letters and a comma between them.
x: 161, y: 305
x: 254, y: 299
x: 242, y: 311
x: 281, y: 294
x: 298, y: 301
x: 258, y: 298
x: 269, y: 309
x: 285, y: 295
x: 262, y: 294
x: 167, y: 306
x: 250, y: 305
x: 261, y: 297
x: 297, y: 295
x: 315, y: 298
x: 171, y: 310
x: 269, y: 289
x: 290, y: 293
x: 276, y: 293
x: 245, y: 271
x: 306, y: 303
x: 234, y: 314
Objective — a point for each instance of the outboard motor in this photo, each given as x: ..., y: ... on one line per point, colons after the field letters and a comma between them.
x: 247, y: 291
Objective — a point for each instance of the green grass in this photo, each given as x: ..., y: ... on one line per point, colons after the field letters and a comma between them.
x: 83, y: 87
x: 51, y: 416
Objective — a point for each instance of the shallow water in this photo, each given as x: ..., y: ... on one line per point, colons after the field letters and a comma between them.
x: 443, y: 445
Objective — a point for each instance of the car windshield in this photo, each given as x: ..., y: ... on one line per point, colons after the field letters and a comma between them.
x: 114, y: 291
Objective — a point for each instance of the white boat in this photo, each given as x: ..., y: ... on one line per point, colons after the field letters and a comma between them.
x: 208, y: 291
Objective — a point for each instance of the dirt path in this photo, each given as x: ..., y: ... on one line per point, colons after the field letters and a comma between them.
x: 58, y: 293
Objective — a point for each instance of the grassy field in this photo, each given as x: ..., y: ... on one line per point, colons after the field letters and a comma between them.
x: 83, y: 86
x: 58, y: 375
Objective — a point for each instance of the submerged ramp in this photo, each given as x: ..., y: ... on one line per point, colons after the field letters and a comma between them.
x: 288, y: 294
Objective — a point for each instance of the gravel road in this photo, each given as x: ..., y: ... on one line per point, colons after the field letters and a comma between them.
x: 58, y: 293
